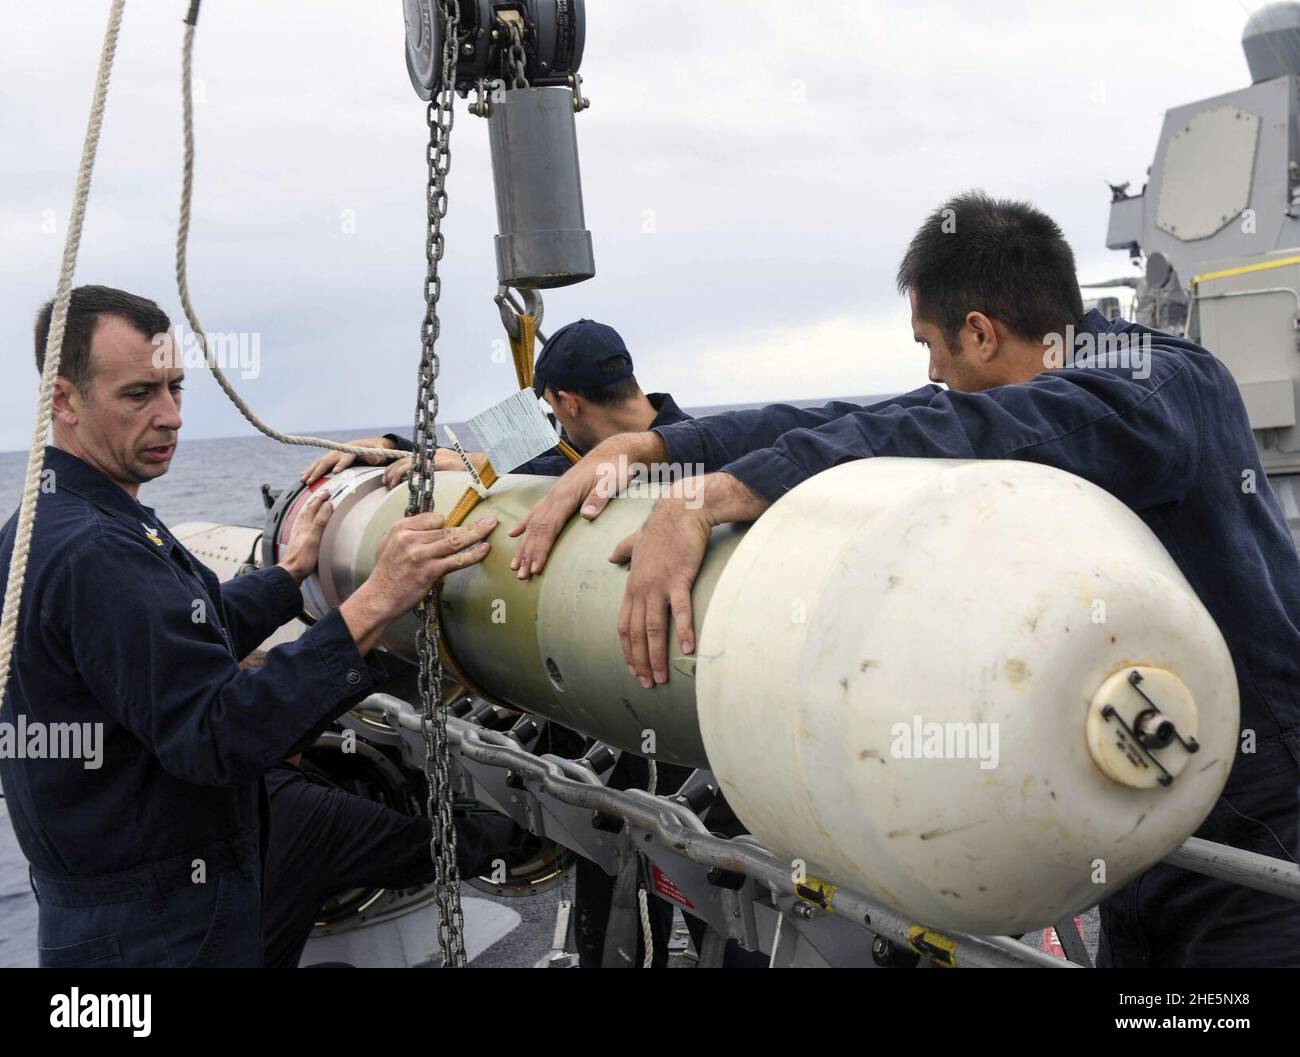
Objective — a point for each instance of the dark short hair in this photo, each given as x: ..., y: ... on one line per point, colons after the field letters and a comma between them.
x: 87, y: 305
x: 1001, y: 257
x: 605, y: 395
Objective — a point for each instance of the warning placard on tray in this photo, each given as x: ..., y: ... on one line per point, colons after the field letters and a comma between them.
x: 514, y: 431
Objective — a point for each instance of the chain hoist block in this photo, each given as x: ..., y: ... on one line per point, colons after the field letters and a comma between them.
x: 554, y: 34
x: 522, y: 60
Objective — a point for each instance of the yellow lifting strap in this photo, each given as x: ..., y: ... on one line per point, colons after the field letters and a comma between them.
x: 469, y: 500
x: 522, y: 348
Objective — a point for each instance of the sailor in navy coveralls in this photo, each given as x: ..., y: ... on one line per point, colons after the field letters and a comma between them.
x: 154, y: 857
x: 996, y: 302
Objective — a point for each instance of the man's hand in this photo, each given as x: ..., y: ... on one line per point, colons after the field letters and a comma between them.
x: 414, y: 555
x: 666, y: 554
x: 333, y: 461
x: 588, y: 486
x: 443, y: 459
x: 400, y: 469
x: 303, y: 549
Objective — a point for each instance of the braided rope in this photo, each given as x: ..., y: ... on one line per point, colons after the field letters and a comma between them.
x: 54, y: 350
x: 647, y: 937
x: 643, y: 898
x: 183, y: 286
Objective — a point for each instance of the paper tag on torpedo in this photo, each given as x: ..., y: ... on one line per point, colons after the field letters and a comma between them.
x: 514, y: 431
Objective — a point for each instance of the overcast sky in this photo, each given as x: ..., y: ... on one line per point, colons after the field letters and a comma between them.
x: 751, y: 172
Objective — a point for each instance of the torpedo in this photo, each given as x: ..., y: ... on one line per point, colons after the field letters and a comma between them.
x: 927, y: 594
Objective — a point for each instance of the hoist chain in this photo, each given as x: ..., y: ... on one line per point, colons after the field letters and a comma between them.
x: 442, y: 846
x: 517, y: 57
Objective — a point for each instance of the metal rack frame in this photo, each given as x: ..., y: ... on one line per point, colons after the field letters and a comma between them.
x: 740, y: 889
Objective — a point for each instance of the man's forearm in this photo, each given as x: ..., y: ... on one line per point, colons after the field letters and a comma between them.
x: 715, y: 440
x: 647, y: 448
x: 724, y: 499
x: 365, y: 618
x: 611, y: 464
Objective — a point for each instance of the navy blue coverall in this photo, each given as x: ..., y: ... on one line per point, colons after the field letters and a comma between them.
x: 1177, y: 448
x: 325, y: 840
x: 120, y: 626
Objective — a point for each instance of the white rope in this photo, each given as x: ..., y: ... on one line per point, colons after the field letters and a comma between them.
x: 54, y: 350
x: 647, y: 936
x: 183, y: 286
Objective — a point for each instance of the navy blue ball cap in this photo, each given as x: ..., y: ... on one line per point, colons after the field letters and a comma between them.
x: 582, y: 355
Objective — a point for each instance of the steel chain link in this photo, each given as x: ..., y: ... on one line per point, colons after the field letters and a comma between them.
x: 517, y: 58
x: 442, y: 846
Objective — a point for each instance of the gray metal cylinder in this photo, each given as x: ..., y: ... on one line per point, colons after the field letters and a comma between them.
x: 548, y: 645
x: 543, y: 240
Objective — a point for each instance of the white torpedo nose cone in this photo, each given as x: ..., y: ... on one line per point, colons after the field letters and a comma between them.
x: 916, y: 679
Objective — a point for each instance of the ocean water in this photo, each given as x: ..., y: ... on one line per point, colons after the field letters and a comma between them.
x: 210, y: 480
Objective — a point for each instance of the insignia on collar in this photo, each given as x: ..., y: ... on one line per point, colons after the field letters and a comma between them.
x: 151, y: 534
